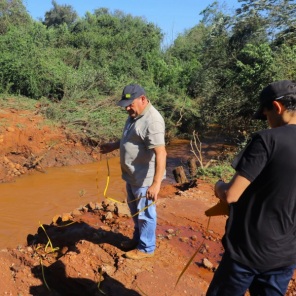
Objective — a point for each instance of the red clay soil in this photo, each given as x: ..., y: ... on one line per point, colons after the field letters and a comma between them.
x: 80, y: 253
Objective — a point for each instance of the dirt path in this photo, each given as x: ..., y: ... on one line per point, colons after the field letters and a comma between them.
x: 79, y: 253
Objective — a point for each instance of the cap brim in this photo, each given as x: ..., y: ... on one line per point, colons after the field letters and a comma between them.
x: 124, y: 103
x: 259, y: 114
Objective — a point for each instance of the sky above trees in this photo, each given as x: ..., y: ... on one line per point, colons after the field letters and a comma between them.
x: 173, y: 17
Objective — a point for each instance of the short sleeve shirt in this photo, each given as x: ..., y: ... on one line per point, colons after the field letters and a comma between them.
x: 261, y: 229
x: 140, y: 136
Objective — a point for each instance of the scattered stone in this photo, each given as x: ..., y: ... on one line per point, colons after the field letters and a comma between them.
x: 108, y: 216
x: 76, y: 213
x: 194, y: 237
x: 17, y: 166
x: 105, y: 206
x: 184, y: 239
x: 11, y: 165
x: 30, y: 249
x: 85, y: 209
x: 14, y: 267
x: 10, y: 129
x: 111, y: 207
x: 202, y: 250
x: 6, y: 160
x: 108, y: 269
x: 56, y: 219
x: 207, y: 264
x: 123, y: 209
x: 66, y: 217
x: 92, y: 206
x: 170, y: 231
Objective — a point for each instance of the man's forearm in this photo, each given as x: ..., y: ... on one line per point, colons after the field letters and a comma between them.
x: 116, y: 145
x: 160, y: 164
x: 109, y: 147
x: 231, y: 192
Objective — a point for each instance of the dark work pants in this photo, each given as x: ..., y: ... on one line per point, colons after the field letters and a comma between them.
x: 233, y: 278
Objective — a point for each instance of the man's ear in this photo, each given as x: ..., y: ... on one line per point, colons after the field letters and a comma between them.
x: 278, y: 107
x: 143, y: 98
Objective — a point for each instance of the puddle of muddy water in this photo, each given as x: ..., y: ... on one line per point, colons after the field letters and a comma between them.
x: 37, y: 198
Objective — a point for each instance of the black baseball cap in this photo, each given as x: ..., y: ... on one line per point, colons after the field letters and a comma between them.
x: 130, y: 92
x: 272, y: 92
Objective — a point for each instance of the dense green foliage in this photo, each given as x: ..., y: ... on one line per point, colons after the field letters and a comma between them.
x: 59, y: 15
x: 211, y: 74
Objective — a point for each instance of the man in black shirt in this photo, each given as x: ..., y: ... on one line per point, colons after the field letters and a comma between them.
x: 260, y: 236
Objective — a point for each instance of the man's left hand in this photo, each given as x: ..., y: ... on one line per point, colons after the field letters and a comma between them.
x: 152, y: 192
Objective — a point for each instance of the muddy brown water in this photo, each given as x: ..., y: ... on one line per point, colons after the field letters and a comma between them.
x: 35, y: 199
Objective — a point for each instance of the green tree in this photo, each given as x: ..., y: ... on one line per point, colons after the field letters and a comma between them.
x: 186, y: 52
x: 60, y: 14
x: 118, y: 43
x: 278, y: 15
x: 12, y: 12
x: 247, y: 30
x: 29, y: 66
x: 213, y: 75
x: 233, y: 65
x: 285, y: 62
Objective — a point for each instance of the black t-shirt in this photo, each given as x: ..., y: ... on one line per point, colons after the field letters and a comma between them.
x: 261, y: 229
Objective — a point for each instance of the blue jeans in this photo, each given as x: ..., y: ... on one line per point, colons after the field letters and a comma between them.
x: 145, y: 221
x: 233, y: 278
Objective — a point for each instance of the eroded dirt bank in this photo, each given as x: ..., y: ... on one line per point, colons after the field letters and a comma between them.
x: 28, y: 143
x: 79, y: 253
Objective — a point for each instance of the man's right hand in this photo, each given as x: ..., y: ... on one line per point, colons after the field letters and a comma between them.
x: 109, y: 147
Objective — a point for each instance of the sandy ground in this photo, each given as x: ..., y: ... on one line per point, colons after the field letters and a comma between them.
x: 79, y: 253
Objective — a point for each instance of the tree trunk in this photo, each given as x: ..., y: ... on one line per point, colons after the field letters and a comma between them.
x: 180, y: 175
x: 191, y: 162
